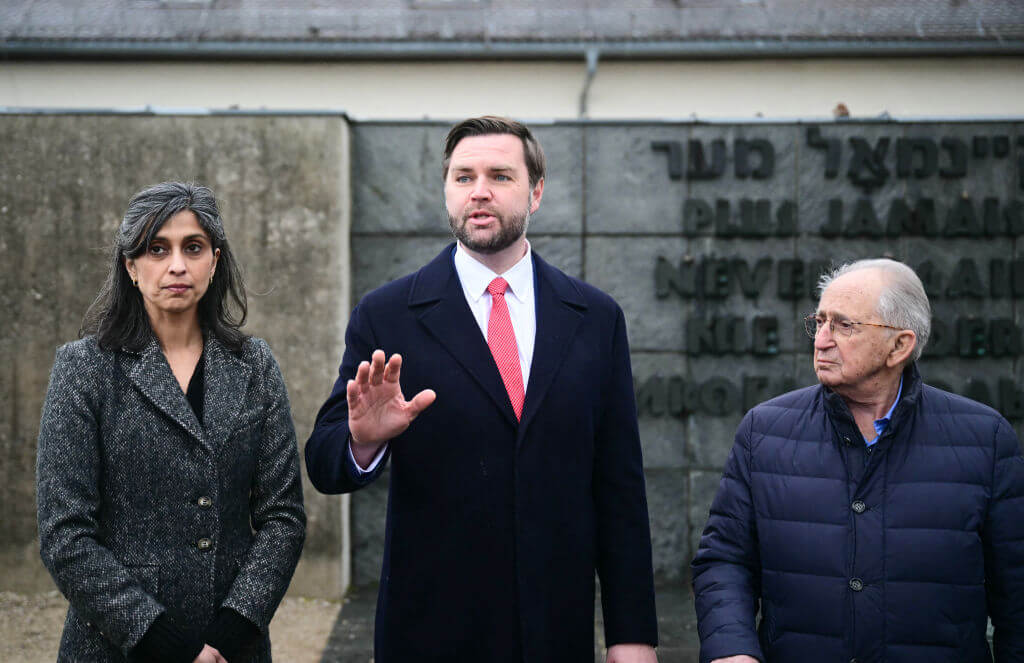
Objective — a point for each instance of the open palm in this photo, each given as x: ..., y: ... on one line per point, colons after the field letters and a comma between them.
x: 377, y: 410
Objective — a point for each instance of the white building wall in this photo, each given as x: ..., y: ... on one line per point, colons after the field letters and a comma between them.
x: 733, y: 89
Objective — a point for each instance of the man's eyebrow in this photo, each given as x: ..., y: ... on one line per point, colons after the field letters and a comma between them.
x: 491, y: 169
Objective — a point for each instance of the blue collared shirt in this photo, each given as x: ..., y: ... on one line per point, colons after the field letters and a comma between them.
x: 883, y: 423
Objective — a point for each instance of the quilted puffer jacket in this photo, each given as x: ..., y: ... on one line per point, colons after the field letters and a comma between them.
x: 893, y: 553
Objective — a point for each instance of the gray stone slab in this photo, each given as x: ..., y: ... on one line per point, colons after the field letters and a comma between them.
x: 639, y: 178
x: 565, y: 253
x: 628, y: 185
x: 988, y: 170
x: 369, y: 515
x: 950, y: 299
x: 711, y: 439
x: 561, y: 208
x: 627, y: 268
x: 767, y: 154
x: 815, y: 188
x: 703, y: 488
x: 662, y: 433
x: 397, y: 182
x: 726, y: 389
x: 65, y: 183
x: 667, y: 509
x: 377, y: 260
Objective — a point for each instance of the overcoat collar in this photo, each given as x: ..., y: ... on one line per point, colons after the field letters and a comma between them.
x: 442, y: 309
x: 226, y: 378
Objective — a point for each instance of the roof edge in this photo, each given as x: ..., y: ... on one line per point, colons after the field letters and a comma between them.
x: 269, y: 50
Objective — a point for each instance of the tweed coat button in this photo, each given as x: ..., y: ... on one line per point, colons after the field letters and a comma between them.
x: 856, y: 584
x: 205, y: 502
x: 858, y: 506
x: 204, y: 544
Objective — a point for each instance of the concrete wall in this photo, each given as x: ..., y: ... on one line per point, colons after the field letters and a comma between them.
x: 622, y: 209
x: 613, y: 214
x: 282, y: 183
x: 787, y: 88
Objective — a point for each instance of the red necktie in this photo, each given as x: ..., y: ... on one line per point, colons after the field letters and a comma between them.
x: 502, y: 341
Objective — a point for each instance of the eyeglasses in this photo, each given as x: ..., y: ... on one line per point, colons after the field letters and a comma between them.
x: 814, y: 323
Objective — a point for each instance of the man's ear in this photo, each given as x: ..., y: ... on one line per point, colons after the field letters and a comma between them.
x: 903, y: 345
x: 536, y: 194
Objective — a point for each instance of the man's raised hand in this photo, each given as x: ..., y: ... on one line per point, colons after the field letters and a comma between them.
x: 377, y: 410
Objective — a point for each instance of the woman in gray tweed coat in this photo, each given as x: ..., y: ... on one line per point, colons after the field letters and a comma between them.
x: 170, y: 504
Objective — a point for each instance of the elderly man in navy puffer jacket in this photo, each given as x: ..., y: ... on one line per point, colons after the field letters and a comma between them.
x: 871, y: 518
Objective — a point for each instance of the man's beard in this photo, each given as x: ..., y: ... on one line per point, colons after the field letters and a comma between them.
x: 510, y: 229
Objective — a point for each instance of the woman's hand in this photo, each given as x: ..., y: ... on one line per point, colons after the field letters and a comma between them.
x: 209, y: 655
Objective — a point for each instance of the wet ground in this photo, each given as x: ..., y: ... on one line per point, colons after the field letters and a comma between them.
x: 310, y: 630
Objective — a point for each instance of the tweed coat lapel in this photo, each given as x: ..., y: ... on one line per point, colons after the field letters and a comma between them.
x: 226, y: 381
x: 149, y: 371
x: 441, y: 307
x: 560, y: 307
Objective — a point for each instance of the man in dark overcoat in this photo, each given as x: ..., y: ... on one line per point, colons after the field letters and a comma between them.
x: 871, y: 518
x: 521, y: 475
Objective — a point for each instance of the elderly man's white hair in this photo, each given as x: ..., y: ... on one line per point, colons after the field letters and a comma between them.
x: 903, y: 302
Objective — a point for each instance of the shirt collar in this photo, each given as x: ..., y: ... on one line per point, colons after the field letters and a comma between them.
x: 883, y: 423
x: 475, y: 276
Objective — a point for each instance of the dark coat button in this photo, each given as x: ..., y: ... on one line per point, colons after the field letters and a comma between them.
x: 204, y: 544
x: 205, y: 502
x: 856, y: 584
x: 847, y: 441
x: 859, y: 507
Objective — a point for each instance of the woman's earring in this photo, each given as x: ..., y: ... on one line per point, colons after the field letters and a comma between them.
x: 135, y: 282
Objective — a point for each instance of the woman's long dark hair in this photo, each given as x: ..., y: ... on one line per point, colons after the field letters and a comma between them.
x: 118, y: 318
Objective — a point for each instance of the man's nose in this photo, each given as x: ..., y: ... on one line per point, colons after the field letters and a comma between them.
x: 481, y: 190
x: 824, y: 338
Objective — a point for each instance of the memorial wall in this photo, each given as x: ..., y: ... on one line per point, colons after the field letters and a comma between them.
x: 712, y: 238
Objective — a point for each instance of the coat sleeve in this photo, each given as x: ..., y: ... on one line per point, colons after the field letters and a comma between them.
x: 726, y: 570
x: 620, y: 498
x: 328, y: 461
x: 1003, y: 541
x: 275, y: 505
x: 101, y: 589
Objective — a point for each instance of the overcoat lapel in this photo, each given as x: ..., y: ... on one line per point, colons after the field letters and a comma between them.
x: 441, y: 307
x: 226, y: 383
x: 149, y: 371
x: 560, y: 307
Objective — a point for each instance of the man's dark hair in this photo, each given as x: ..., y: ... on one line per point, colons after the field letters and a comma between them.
x: 118, y: 317
x: 489, y: 125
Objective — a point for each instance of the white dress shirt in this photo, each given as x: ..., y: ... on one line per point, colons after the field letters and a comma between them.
x: 475, y: 277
